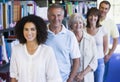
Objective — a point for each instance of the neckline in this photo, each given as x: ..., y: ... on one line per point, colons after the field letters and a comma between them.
x: 95, y: 33
x: 31, y: 55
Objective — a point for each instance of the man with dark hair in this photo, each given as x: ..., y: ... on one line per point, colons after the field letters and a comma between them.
x: 104, y: 8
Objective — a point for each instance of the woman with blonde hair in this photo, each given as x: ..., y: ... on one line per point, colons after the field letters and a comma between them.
x: 88, y: 53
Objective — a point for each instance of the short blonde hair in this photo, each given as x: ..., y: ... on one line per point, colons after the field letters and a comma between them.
x: 74, y: 18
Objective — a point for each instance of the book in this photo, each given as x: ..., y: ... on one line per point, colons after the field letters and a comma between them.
x: 5, y: 16
x: 0, y: 49
x: 10, y: 14
x: 16, y: 11
x: 30, y: 7
x: 42, y: 12
x: 1, y: 16
x: 4, y: 53
x: 23, y: 8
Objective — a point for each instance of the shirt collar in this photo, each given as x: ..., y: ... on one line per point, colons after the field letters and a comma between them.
x: 62, y: 31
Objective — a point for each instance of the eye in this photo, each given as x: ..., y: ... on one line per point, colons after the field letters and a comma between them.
x: 25, y: 29
x: 33, y: 29
x: 58, y: 15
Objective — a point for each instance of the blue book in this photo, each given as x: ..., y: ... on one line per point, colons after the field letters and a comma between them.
x: 8, y: 49
x: 9, y: 12
x: 0, y: 53
x: 1, y: 16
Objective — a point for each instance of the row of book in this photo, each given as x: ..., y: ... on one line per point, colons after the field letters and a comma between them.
x: 13, y: 11
x: 81, y: 7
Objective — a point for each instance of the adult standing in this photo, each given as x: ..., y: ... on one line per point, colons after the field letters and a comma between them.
x: 112, y: 29
x: 63, y: 42
x: 89, y: 53
x: 100, y: 34
x: 104, y: 8
x: 32, y: 60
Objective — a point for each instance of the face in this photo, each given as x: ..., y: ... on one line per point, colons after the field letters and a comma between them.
x: 104, y: 9
x: 30, y: 32
x: 78, y: 26
x: 55, y: 16
x: 93, y: 19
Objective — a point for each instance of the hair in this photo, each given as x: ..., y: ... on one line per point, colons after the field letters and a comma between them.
x: 106, y: 2
x: 40, y: 27
x: 55, y: 6
x: 74, y: 18
x: 96, y: 12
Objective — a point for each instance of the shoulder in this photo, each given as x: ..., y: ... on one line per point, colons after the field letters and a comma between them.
x: 18, y: 49
x: 18, y: 46
x: 46, y: 47
x: 89, y: 40
x: 103, y: 30
x: 68, y: 33
x: 88, y: 36
x: 47, y: 50
x: 109, y: 20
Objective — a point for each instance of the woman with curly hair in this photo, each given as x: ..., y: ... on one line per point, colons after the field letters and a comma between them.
x: 32, y: 60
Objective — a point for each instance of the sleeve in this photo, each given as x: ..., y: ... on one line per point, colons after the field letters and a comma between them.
x: 93, y: 63
x: 52, y: 71
x: 104, y: 30
x: 74, y: 48
x: 13, y: 65
x: 114, y: 30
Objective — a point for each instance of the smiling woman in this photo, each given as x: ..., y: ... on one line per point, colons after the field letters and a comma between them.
x: 88, y: 58
x: 32, y: 60
x: 101, y: 39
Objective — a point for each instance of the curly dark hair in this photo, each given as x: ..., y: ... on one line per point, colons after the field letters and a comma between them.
x: 96, y: 12
x: 40, y: 25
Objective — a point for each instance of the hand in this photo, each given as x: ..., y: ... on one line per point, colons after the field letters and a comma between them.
x: 70, y: 80
x: 79, y: 77
x: 106, y: 58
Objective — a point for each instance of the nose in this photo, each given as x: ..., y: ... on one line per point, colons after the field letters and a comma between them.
x: 55, y: 17
x: 93, y: 16
x: 29, y: 31
x: 78, y: 25
x: 102, y: 9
